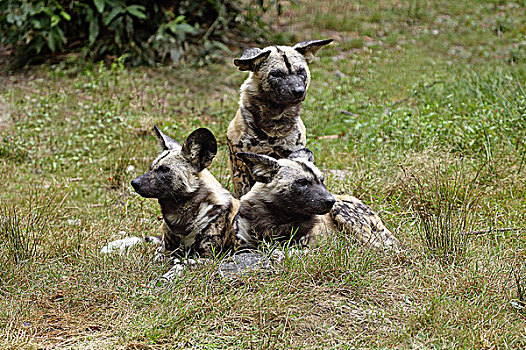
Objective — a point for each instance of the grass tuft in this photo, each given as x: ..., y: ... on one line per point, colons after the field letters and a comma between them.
x: 21, y: 227
x: 442, y: 201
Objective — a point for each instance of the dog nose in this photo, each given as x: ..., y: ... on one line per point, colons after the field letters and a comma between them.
x: 329, y: 201
x: 136, y: 183
x: 298, y: 91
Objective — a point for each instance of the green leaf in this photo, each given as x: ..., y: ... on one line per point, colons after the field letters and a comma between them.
x: 60, y: 34
x: 36, y: 23
x: 93, y: 31
x: 186, y: 28
x: 38, y: 45
x: 65, y: 15
x: 99, y: 4
x: 219, y: 45
x: 116, y: 11
x: 55, y: 19
x: 47, y: 10
x: 137, y: 11
x: 51, y: 42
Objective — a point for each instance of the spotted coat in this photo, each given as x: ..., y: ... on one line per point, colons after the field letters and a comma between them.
x: 197, y: 211
x: 290, y: 203
x: 268, y: 119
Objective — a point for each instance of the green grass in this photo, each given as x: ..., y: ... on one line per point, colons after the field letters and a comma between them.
x: 433, y: 89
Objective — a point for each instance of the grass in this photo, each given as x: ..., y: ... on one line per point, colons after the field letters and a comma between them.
x: 433, y: 89
x: 444, y: 202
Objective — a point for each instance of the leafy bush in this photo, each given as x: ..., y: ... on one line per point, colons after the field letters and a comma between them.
x: 147, y: 31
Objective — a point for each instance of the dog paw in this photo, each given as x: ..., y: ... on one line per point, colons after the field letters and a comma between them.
x: 175, y: 271
x: 278, y: 255
x: 178, y: 269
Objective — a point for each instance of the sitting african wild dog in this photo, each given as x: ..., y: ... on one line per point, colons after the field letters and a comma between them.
x: 290, y: 202
x: 197, y: 210
x: 268, y: 119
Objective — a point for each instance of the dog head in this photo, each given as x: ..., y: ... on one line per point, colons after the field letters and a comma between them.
x: 281, y: 73
x: 174, y: 173
x: 292, y: 184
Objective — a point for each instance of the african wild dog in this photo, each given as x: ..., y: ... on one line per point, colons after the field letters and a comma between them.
x: 196, y: 209
x: 290, y: 202
x: 268, y: 119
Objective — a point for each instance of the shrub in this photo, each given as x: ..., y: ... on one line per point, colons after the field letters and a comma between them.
x: 147, y: 31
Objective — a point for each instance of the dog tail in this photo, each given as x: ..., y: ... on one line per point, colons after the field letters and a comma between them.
x: 353, y: 217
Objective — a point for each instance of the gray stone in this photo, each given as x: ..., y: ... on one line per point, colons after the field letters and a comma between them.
x: 244, y: 263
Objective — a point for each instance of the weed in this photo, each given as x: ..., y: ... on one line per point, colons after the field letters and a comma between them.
x: 415, y: 11
x: 443, y: 200
x: 519, y: 283
x: 21, y: 229
x: 13, y: 147
x: 516, y: 280
x: 118, y: 167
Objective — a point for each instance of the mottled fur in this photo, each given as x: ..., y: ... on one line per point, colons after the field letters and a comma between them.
x: 268, y: 119
x: 353, y: 217
x: 290, y: 202
x: 197, y: 210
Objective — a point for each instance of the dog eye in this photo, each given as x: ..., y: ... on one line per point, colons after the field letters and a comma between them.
x: 163, y: 169
x: 302, y: 182
x: 301, y: 71
x: 277, y: 74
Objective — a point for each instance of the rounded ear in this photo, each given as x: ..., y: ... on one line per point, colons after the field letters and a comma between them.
x: 251, y: 58
x: 263, y: 168
x: 310, y: 48
x: 200, y: 148
x: 302, y: 154
x: 165, y: 141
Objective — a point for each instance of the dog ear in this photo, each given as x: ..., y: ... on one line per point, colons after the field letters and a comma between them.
x: 302, y: 154
x: 263, y: 168
x: 200, y: 147
x: 310, y: 48
x: 251, y: 58
x: 165, y: 141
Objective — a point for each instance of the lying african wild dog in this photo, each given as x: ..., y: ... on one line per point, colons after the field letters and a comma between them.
x: 290, y: 202
x: 197, y: 210
x: 268, y: 119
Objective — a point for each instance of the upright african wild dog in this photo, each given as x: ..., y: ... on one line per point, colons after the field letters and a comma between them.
x: 197, y: 210
x: 268, y: 119
x: 290, y: 202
